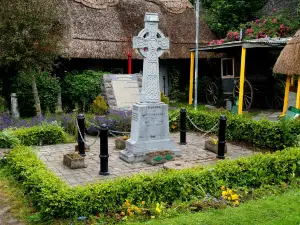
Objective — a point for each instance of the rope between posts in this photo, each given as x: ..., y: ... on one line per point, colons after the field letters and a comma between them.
x: 206, y: 132
x: 85, y: 142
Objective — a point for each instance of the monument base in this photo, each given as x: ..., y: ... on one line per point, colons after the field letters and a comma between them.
x: 138, y: 151
x: 149, y: 132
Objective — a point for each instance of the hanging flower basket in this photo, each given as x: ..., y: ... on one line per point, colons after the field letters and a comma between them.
x: 73, y: 161
x: 159, y: 157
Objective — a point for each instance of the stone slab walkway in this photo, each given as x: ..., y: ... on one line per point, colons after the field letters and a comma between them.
x: 192, y: 154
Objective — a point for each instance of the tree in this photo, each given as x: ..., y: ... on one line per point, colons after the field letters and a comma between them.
x: 224, y: 15
x: 30, y: 31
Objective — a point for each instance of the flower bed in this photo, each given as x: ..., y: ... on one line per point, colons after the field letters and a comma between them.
x: 53, y: 197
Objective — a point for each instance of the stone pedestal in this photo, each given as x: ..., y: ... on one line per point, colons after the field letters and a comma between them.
x: 149, y: 132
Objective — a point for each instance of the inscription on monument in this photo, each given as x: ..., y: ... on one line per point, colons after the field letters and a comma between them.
x: 126, y: 90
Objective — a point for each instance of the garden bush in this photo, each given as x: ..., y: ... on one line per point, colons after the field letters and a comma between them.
x: 81, y: 88
x: 48, y: 89
x: 263, y: 133
x: 54, y: 198
x: 44, y: 134
x: 8, y: 139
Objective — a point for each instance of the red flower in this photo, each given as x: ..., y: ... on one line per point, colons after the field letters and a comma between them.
x: 265, y: 21
x: 273, y: 10
x: 275, y: 21
x: 281, y: 26
x: 257, y: 21
x: 249, y: 31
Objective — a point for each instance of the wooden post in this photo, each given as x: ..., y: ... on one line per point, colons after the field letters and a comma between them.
x: 191, y: 78
x: 293, y: 80
x: 298, y: 95
x: 286, y: 95
x: 242, y: 80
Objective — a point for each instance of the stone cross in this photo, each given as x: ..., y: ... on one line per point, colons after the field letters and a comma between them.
x: 151, y: 44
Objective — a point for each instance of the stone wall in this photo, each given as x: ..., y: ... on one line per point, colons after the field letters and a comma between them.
x: 281, y: 4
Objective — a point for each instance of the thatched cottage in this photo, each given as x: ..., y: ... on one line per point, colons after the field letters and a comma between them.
x: 99, y: 33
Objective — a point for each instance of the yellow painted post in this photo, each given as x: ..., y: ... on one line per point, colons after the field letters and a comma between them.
x: 286, y: 94
x: 242, y: 80
x: 298, y: 95
x: 191, y: 78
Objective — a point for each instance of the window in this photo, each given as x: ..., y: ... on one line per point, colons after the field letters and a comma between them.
x: 227, y: 68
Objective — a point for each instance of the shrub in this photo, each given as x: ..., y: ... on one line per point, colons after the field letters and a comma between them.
x: 263, y: 133
x: 44, y: 134
x: 164, y: 98
x: 99, y: 106
x: 222, y: 16
x: 48, y: 89
x: 81, y: 88
x: 54, y: 198
x: 8, y: 139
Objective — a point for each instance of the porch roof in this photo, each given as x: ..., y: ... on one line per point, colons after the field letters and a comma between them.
x: 254, y: 43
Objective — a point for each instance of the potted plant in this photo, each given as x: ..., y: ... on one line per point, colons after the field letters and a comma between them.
x: 73, y: 161
x: 86, y: 148
x: 212, y: 145
x: 158, y: 157
x: 120, y: 142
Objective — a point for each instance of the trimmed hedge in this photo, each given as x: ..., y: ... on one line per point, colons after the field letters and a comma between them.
x: 44, y: 134
x: 55, y: 198
x: 263, y: 133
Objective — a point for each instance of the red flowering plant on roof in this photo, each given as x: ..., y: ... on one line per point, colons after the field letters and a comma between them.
x: 278, y: 24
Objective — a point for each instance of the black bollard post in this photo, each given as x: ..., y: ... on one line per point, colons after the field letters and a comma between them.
x: 103, y: 150
x: 80, y: 138
x: 182, y: 127
x: 222, y: 141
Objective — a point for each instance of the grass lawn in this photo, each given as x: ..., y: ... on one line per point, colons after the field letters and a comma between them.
x: 283, y: 209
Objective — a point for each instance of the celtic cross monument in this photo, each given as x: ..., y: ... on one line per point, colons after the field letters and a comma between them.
x: 150, y: 120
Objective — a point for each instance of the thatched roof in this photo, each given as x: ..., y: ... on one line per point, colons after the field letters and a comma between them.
x: 288, y: 62
x: 104, y: 28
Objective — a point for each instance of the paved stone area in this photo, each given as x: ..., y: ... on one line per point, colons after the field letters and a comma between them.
x: 192, y: 154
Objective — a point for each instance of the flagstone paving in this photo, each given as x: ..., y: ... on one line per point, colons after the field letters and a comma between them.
x: 192, y: 154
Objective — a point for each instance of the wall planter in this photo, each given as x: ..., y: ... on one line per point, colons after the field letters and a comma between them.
x: 213, y: 147
x: 120, y: 142
x: 159, y: 157
x: 73, y: 161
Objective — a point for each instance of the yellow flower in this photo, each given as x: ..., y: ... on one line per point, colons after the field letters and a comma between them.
x: 127, y: 204
x: 224, y: 193
x: 128, y: 210
x: 130, y: 214
x: 234, y: 197
x: 236, y: 203
x: 223, y: 188
x: 230, y: 192
x: 152, y: 217
x: 136, y: 208
x: 143, y: 202
x: 173, y: 126
x: 229, y: 198
x: 122, y: 213
x: 158, y: 210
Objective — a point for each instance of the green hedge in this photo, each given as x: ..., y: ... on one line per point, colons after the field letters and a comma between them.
x: 45, y: 134
x: 263, y: 133
x: 55, y: 198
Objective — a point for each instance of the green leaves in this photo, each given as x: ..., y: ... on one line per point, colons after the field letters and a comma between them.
x: 82, y: 88
x: 263, y: 133
x: 223, y: 16
x: 45, y: 134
